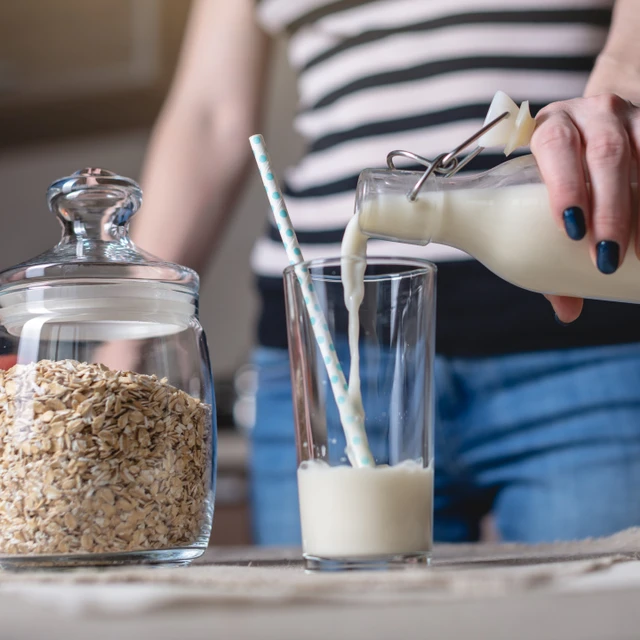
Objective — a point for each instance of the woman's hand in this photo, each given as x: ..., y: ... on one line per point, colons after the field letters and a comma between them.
x: 595, y: 138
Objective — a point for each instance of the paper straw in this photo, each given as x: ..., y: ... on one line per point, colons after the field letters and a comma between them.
x: 352, y: 421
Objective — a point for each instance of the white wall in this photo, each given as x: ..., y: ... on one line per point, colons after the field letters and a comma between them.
x: 228, y: 306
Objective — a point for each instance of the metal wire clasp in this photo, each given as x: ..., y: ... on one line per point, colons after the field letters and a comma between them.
x: 446, y: 163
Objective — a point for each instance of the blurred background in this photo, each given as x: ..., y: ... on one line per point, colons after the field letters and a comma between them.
x: 80, y: 85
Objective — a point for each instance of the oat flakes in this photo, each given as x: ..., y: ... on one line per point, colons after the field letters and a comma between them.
x: 99, y: 461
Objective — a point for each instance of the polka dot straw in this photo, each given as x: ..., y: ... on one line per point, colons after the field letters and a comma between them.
x: 352, y: 421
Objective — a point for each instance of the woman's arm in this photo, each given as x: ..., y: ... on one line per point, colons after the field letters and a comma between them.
x: 617, y: 69
x: 198, y: 154
x: 199, y: 148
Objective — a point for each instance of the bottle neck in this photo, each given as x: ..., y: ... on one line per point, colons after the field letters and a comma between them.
x: 396, y: 218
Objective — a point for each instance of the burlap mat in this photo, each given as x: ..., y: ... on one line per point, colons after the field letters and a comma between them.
x: 263, y: 577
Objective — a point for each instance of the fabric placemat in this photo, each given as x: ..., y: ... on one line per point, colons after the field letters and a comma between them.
x: 263, y: 577
x: 127, y: 591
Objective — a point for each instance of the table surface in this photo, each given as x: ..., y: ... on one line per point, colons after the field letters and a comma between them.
x: 602, y: 606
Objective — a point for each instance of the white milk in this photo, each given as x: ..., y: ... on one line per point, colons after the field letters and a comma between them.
x: 368, y: 512
x: 511, y: 231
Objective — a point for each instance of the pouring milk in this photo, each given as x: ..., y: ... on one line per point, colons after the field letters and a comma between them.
x: 351, y: 512
x: 374, y: 512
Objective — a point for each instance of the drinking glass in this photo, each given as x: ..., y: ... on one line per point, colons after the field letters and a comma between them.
x: 366, y: 517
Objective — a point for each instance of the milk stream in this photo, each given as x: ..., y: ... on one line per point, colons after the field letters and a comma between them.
x: 511, y: 231
x: 354, y: 244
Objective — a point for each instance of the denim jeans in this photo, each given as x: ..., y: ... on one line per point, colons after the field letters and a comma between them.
x: 549, y: 442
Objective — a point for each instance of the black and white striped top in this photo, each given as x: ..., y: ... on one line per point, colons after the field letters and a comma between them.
x: 377, y: 75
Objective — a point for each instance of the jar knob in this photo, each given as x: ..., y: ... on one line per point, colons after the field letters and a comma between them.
x: 94, y: 202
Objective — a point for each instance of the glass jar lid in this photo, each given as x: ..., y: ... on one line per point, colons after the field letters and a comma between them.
x: 95, y: 279
x: 94, y: 207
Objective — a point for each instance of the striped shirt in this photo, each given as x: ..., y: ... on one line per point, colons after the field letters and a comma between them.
x: 377, y: 75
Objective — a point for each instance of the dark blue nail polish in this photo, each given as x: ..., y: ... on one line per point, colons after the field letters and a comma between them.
x: 562, y: 324
x: 607, y: 256
x: 574, y: 223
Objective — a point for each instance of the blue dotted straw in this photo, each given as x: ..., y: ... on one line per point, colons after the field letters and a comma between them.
x: 352, y: 421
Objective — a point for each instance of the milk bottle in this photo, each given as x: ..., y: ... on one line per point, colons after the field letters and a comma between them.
x: 502, y: 218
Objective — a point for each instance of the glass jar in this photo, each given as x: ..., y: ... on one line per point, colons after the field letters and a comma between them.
x: 107, y: 420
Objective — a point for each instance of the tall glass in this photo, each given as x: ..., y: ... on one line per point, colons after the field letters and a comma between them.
x: 366, y: 517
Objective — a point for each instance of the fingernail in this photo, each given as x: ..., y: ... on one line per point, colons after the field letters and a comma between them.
x: 562, y: 324
x: 607, y: 256
x: 574, y: 223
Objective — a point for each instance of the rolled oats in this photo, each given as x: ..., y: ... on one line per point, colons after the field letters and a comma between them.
x: 100, y: 461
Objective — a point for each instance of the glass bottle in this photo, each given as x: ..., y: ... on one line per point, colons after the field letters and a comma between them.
x: 500, y: 217
x: 107, y: 428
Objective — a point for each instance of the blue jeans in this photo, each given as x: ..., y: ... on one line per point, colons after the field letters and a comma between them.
x: 549, y: 442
